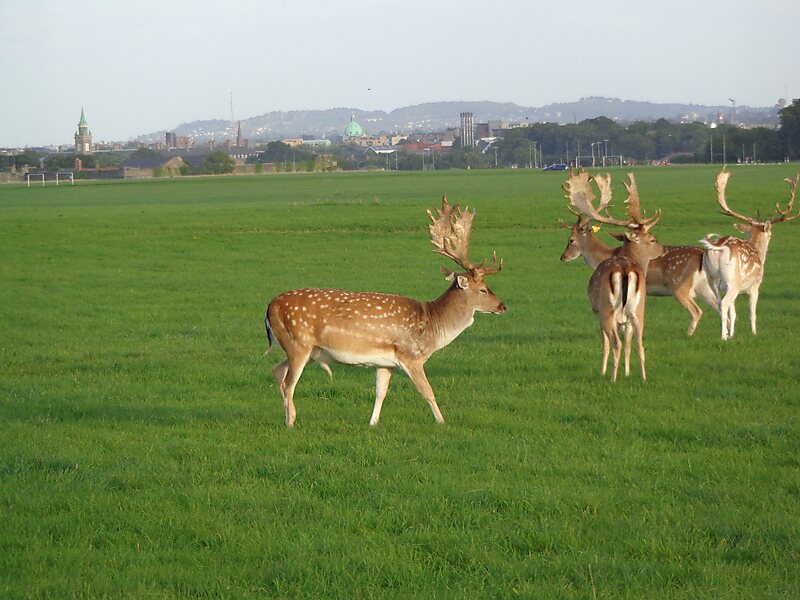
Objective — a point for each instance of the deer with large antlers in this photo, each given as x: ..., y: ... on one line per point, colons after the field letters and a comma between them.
x: 736, y: 266
x: 617, y: 288
x: 384, y: 331
x: 678, y: 272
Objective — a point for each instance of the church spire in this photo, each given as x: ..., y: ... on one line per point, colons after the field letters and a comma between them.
x: 83, y: 137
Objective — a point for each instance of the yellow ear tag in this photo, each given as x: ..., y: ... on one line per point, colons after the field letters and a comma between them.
x: 595, y: 228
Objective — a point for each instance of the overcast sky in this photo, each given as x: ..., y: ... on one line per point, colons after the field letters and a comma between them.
x: 144, y: 65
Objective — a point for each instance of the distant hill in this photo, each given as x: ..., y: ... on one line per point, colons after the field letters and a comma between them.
x: 438, y: 116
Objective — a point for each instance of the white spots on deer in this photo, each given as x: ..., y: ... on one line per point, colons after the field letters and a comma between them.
x: 625, y: 271
x: 735, y: 265
x: 380, y: 330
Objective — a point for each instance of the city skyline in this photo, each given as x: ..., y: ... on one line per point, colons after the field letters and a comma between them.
x: 145, y: 67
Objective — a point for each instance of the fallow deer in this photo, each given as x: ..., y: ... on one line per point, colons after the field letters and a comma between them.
x: 678, y: 272
x: 735, y: 265
x: 384, y: 331
x: 617, y: 288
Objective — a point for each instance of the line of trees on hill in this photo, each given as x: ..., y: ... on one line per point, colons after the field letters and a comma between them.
x: 642, y: 142
x: 662, y: 140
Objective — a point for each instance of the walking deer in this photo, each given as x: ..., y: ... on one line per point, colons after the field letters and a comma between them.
x: 678, y: 272
x: 384, y: 331
x: 736, y: 266
x: 617, y: 288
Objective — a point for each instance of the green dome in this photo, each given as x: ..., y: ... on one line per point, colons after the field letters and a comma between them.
x: 353, y: 129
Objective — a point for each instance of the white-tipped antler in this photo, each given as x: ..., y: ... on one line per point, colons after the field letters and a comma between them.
x: 581, y: 199
x: 581, y: 196
x: 450, y: 234
x: 720, y: 185
x: 781, y: 216
x: 634, y: 206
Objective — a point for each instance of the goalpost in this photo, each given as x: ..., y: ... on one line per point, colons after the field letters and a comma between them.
x: 66, y: 175
x: 35, y: 175
x: 60, y: 176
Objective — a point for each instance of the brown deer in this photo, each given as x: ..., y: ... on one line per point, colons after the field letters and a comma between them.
x: 678, y: 273
x: 617, y: 288
x: 384, y: 331
x: 736, y: 266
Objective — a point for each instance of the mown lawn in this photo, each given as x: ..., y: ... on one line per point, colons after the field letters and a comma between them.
x: 143, y: 451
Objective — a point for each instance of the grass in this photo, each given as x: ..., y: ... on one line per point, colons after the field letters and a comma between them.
x: 143, y: 451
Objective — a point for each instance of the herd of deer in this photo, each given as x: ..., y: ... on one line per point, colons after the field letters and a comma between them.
x: 388, y: 331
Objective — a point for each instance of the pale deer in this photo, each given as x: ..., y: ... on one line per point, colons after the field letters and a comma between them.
x: 617, y: 288
x: 384, y: 331
x: 736, y: 266
x: 678, y: 272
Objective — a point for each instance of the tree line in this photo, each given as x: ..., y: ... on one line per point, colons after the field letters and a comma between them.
x: 653, y: 141
x: 537, y: 145
x: 608, y: 141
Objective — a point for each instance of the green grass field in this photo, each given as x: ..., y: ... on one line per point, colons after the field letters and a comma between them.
x: 143, y: 451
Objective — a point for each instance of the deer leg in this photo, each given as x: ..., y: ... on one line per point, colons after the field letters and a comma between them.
x: 616, y: 347
x: 628, y: 330
x: 727, y: 308
x: 382, y: 378
x: 639, y: 331
x: 611, y: 335
x: 279, y: 372
x: 416, y: 372
x: 685, y: 298
x: 753, y: 304
x: 606, y: 347
x: 296, y: 364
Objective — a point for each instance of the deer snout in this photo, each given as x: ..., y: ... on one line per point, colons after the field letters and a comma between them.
x: 501, y: 308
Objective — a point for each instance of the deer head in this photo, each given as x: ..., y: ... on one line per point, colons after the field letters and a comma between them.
x: 639, y: 242
x: 450, y: 231
x: 583, y: 242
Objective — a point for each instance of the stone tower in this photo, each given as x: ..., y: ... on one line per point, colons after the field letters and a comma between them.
x: 83, y: 137
x: 467, y: 130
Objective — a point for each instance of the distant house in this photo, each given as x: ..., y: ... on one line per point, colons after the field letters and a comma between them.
x: 155, y: 166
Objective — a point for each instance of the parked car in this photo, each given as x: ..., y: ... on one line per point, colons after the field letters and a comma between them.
x: 556, y: 167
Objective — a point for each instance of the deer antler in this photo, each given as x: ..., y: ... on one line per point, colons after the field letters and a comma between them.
x: 720, y: 185
x: 450, y: 232
x: 634, y: 207
x: 581, y: 197
x: 783, y: 215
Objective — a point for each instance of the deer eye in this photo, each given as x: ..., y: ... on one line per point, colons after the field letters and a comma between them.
x: 484, y: 291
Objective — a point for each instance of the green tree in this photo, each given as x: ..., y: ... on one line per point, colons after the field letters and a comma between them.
x: 26, y: 157
x: 790, y: 129
x: 280, y: 153
x: 60, y: 162
x: 144, y: 153
x: 217, y: 163
x: 108, y: 159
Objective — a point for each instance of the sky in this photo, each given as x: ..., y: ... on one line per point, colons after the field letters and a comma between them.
x: 142, y: 66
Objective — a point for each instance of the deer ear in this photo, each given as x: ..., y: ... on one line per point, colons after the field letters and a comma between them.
x: 463, y: 282
x: 448, y: 274
x: 618, y: 236
x: 742, y: 227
